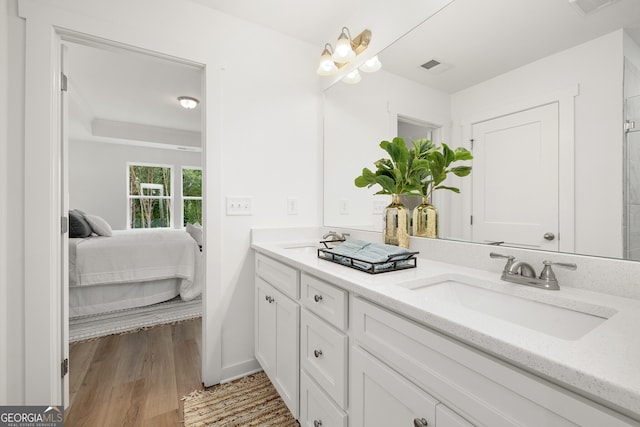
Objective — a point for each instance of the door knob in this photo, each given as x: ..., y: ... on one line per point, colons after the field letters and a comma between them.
x: 317, y: 298
x: 317, y: 423
x: 549, y: 236
x: 420, y: 422
x: 317, y: 353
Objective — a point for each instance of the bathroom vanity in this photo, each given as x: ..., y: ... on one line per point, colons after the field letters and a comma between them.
x: 440, y: 345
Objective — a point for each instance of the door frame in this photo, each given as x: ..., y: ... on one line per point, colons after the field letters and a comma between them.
x: 566, y: 155
x: 45, y: 28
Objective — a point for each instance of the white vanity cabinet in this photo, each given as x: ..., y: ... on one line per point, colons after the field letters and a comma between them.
x: 277, y: 327
x: 324, y: 347
x: 397, y: 362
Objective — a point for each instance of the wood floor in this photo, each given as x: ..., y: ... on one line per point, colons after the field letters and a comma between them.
x: 134, y: 379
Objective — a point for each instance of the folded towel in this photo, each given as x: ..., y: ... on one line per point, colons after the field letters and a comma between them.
x: 364, y: 255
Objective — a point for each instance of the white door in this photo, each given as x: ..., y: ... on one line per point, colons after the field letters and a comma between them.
x: 64, y: 207
x: 515, y: 179
x: 265, y: 324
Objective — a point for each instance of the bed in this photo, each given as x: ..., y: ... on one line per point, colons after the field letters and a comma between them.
x: 132, y: 268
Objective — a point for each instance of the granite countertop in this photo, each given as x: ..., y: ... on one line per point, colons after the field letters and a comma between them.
x: 602, y: 364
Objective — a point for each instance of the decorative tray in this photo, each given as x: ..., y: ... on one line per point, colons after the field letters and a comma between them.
x: 392, y: 263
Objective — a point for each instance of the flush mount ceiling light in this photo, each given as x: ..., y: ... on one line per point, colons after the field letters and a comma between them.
x: 346, y: 50
x: 188, y: 102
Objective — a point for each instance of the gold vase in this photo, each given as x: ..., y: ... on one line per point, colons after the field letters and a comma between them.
x: 396, y: 223
x: 425, y: 219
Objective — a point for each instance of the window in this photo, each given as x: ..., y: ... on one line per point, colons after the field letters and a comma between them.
x: 150, y: 196
x: 191, y: 195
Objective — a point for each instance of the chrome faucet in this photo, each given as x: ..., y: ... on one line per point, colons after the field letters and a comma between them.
x: 335, y: 237
x: 523, y: 273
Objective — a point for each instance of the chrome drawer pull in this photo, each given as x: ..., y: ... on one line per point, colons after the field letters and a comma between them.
x: 269, y: 298
x: 317, y: 423
x: 317, y: 353
x: 317, y: 298
x: 420, y: 422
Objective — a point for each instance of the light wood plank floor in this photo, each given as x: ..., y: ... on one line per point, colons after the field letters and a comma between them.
x: 134, y: 379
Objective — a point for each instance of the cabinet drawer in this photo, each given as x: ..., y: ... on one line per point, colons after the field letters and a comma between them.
x: 323, y: 354
x: 327, y: 301
x: 380, y: 397
x: 481, y: 388
x: 316, y: 409
x: 279, y: 275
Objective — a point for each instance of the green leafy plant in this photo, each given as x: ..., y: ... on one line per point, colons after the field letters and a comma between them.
x: 417, y: 171
x: 439, y: 159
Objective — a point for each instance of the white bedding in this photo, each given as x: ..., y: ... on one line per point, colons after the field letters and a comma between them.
x: 137, y: 256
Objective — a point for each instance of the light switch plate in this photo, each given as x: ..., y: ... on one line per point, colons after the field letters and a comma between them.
x: 239, y: 205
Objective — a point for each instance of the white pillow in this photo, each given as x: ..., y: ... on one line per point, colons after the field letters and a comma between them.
x: 195, y: 230
x: 99, y: 225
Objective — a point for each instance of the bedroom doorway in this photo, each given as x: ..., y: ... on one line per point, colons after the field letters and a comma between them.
x: 121, y: 111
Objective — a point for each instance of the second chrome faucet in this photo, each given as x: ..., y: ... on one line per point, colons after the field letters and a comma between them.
x: 523, y: 273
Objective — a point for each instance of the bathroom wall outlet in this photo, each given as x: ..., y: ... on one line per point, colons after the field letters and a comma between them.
x: 239, y: 205
x: 344, y: 207
x: 292, y: 206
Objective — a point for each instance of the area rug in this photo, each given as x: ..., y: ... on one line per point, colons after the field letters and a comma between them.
x: 121, y: 321
x: 249, y: 401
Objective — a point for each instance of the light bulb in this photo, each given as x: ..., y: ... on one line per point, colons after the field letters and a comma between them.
x: 344, y: 52
x: 371, y: 65
x: 353, y: 77
x: 326, y: 66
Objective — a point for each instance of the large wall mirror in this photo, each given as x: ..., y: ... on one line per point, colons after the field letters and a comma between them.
x: 545, y: 93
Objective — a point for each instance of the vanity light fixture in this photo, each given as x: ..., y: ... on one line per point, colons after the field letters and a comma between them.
x: 347, y: 48
x: 326, y: 67
x: 353, y: 77
x: 371, y: 65
x: 188, y: 102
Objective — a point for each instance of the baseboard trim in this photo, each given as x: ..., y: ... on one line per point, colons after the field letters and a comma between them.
x: 239, y: 370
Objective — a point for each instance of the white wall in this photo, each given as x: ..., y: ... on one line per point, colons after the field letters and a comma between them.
x: 98, y: 177
x: 262, y: 140
x: 598, y: 130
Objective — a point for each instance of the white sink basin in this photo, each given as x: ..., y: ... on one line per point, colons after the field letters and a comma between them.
x: 465, y: 292
x: 303, y: 249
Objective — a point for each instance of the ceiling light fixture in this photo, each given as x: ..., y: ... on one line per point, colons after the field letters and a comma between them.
x: 346, y: 50
x: 188, y: 102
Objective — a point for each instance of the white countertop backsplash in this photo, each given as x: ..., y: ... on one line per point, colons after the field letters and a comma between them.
x: 604, y: 364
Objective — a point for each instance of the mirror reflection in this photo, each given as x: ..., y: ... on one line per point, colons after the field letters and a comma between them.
x: 546, y: 94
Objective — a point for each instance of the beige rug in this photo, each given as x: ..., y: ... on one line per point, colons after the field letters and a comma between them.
x: 249, y: 401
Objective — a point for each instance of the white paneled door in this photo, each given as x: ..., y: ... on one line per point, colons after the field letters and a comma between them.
x: 515, y: 179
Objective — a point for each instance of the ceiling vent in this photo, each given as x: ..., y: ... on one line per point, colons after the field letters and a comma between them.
x: 430, y: 64
x: 586, y: 7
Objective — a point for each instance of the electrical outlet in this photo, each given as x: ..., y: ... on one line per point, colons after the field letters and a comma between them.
x: 292, y: 206
x: 344, y: 207
x: 239, y: 205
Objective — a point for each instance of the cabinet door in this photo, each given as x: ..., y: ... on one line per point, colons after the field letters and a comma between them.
x: 265, y: 326
x: 287, y: 347
x: 380, y: 397
x: 277, y: 326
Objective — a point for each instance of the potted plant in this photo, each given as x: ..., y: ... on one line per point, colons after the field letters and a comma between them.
x: 415, y: 172
x: 401, y: 173
x: 439, y: 160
